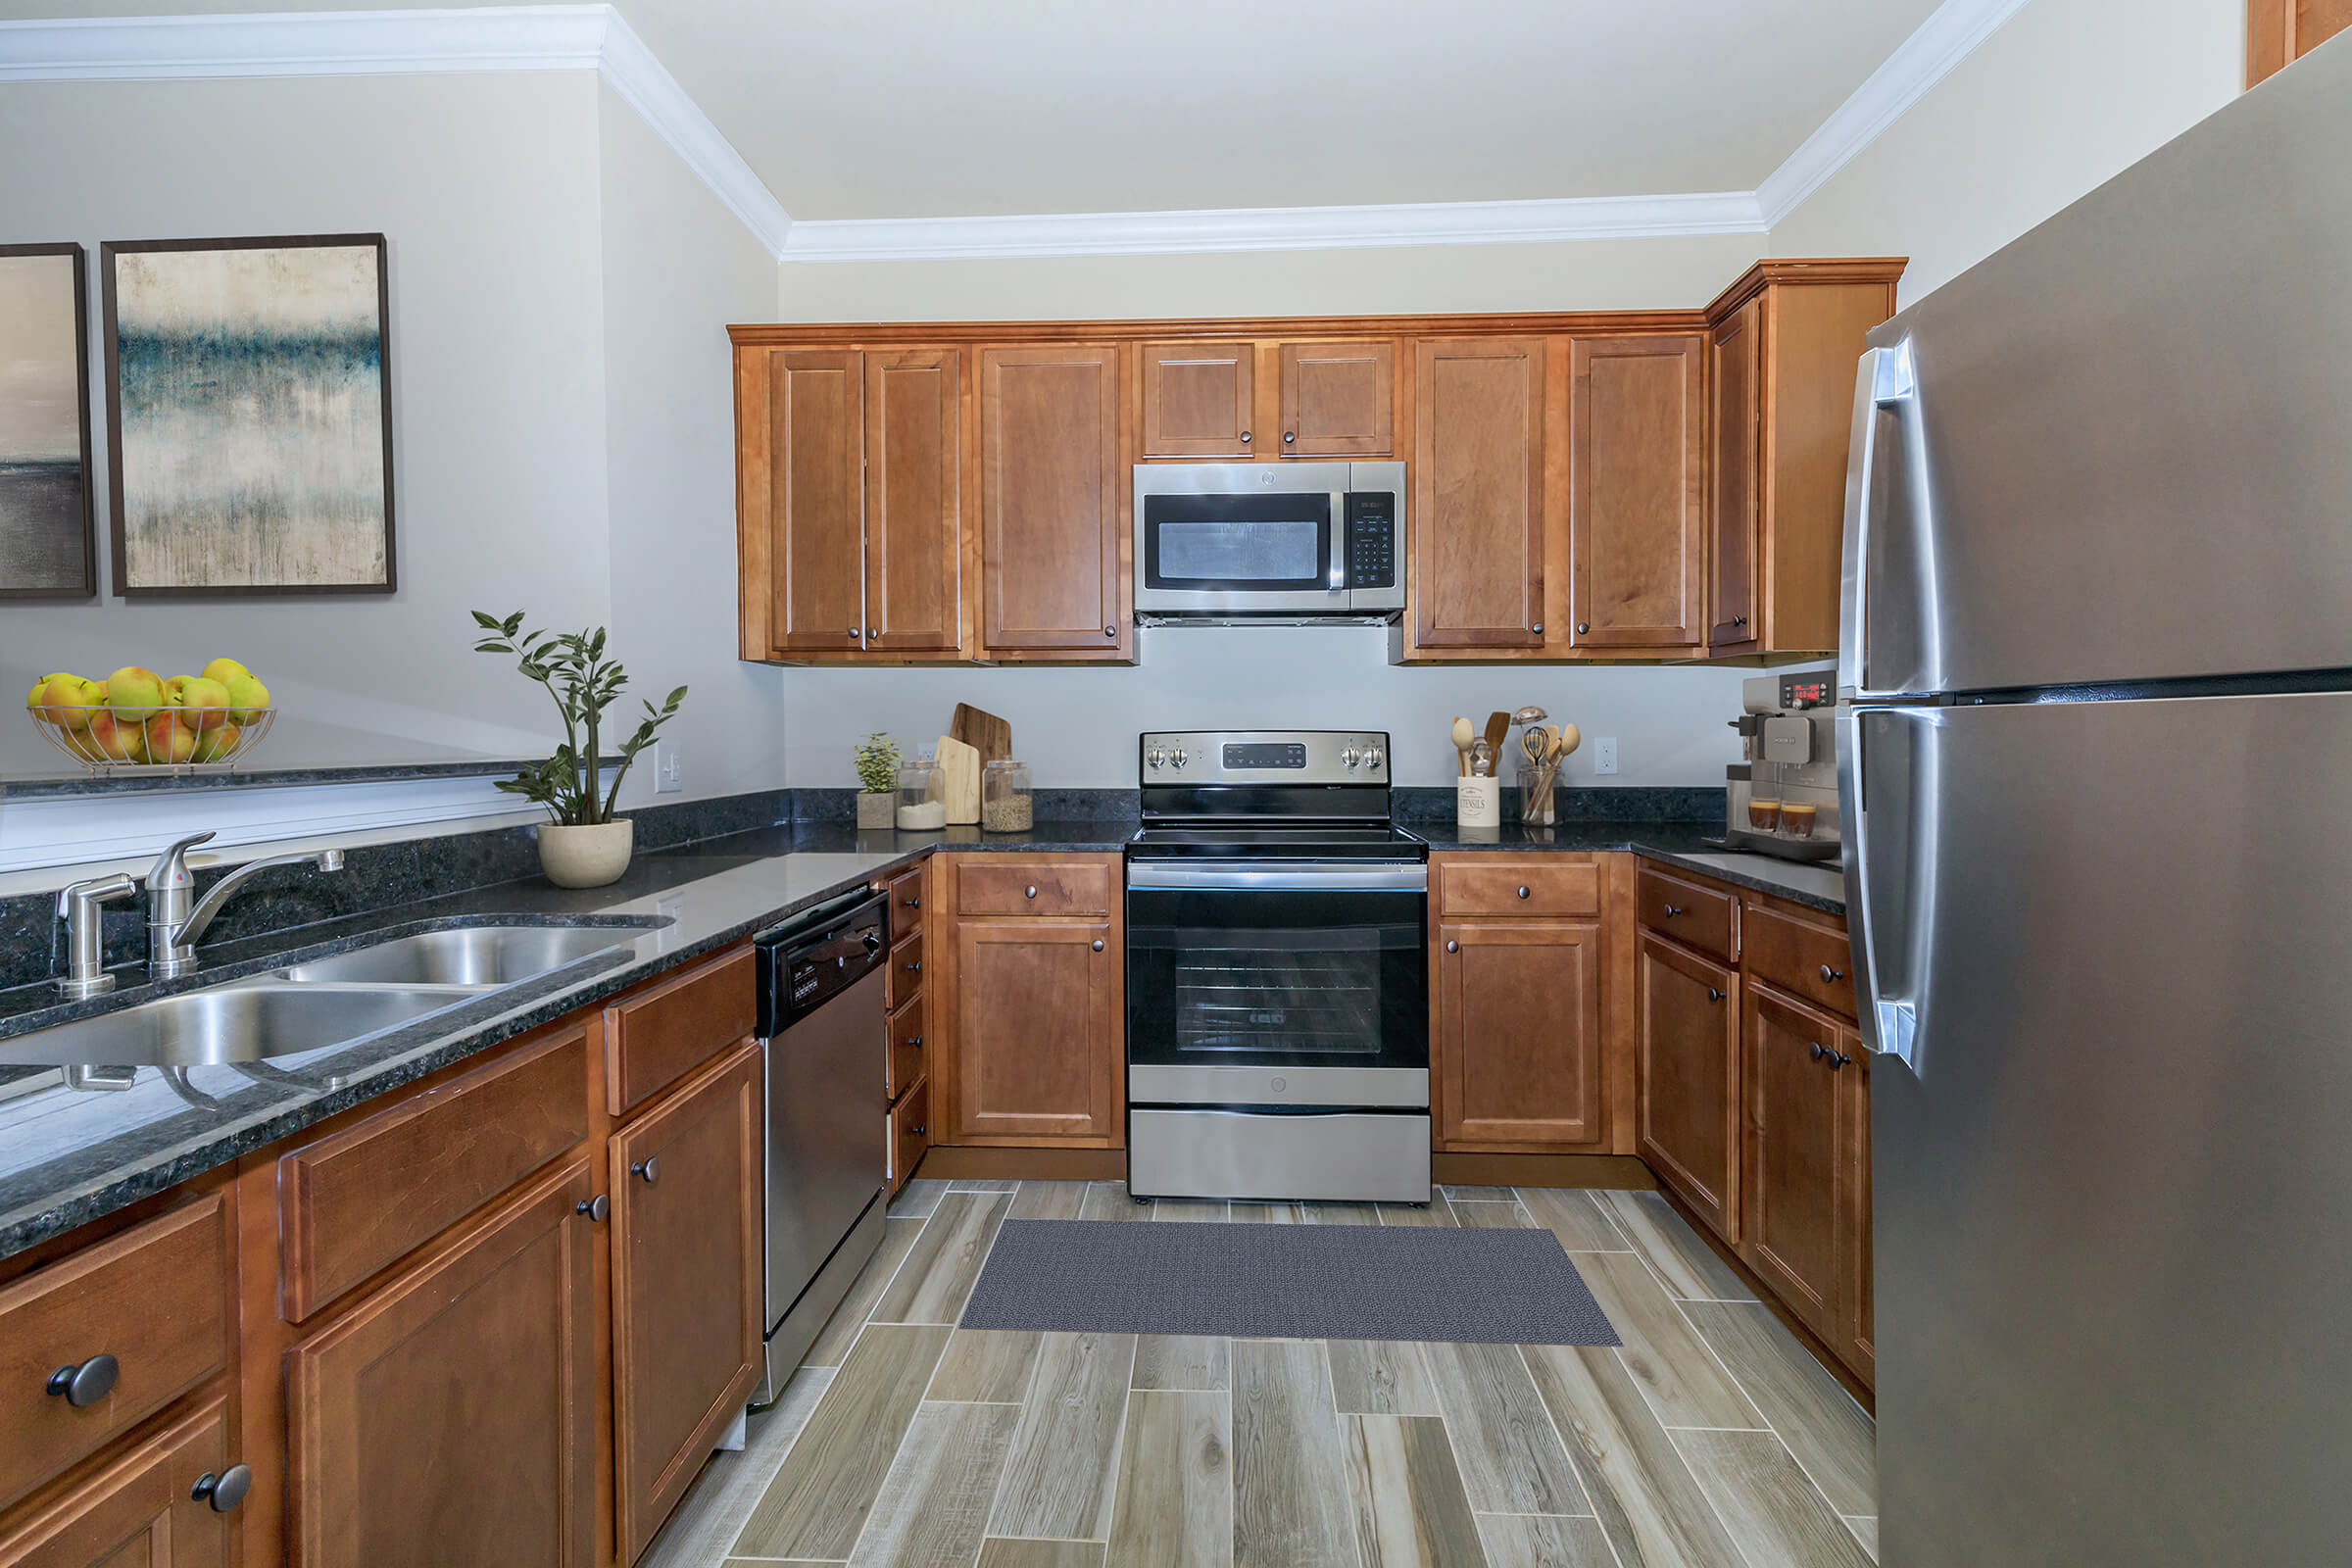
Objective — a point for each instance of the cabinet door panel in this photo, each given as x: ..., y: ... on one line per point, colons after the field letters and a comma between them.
x: 1518, y: 1037
x: 913, y: 514
x: 686, y: 1285
x: 1477, y: 493
x: 1037, y: 1038
x: 1339, y: 399
x: 1050, y: 533
x: 1198, y: 398
x: 1636, y: 509
x: 1734, y: 516
x: 816, y: 500
x: 1688, y: 1015
x: 1788, y: 1199
x: 450, y: 1417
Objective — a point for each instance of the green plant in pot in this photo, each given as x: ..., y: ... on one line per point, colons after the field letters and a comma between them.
x: 584, y: 846
x: 877, y: 760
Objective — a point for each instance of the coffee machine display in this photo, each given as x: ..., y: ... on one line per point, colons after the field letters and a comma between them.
x: 1784, y: 798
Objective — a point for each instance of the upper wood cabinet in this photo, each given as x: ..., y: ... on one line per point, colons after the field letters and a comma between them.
x: 1198, y: 399
x: 849, y: 494
x: 1339, y: 399
x: 1244, y: 401
x: 1784, y: 344
x: 1477, y: 517
x: 1637, y: 501
x: 1054, y: 546
x: 2279, y: 33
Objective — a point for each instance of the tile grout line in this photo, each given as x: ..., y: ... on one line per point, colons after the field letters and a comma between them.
x: 1551, y: 1418
x: 1778, y: 1436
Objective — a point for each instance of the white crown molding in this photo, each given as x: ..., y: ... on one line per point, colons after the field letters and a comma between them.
x: 348, y: 43
x: 1272, y: 228
x: 1949, y: 36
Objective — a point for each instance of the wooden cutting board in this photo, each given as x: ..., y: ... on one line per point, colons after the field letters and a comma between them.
x: 984, y: 732
x: 959, y: 779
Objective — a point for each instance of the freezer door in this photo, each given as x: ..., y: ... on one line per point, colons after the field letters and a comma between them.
x: 2125, y: 457
x: 2112, y: 1194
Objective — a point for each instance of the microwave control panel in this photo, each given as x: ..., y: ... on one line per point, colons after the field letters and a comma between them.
x: 1371, y: 539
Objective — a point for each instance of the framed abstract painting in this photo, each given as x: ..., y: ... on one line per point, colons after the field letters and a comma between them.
x: 249, y: 408
x: 48, y: 533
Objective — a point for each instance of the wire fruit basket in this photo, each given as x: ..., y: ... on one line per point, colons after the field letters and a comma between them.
x: 153, y: 739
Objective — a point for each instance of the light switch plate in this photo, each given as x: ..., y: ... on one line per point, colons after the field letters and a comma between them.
x: 668, y: 778
x: 1605, y: 754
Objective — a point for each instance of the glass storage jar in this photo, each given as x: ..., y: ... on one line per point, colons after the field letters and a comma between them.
x: 1005, y: 802
x: 919, y: 801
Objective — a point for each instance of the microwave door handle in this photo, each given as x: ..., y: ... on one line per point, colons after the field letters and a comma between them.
x: 1339, y: 542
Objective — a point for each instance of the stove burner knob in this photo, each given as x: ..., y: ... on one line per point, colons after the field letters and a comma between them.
x: 1372, y: 757
x: 1347, y: 757
x: 1176, y: 758
x: 1158, y: 756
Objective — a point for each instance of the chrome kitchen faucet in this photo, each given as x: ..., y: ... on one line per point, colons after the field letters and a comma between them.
x: 173, y: 928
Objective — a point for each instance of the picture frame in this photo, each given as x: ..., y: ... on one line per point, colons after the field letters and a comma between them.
x: 34, y: 471
x: 295, y: 500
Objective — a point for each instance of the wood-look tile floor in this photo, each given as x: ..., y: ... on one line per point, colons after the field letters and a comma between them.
x: 1710, y: 1438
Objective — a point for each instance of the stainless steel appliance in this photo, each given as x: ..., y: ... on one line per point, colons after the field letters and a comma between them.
x: 1784, y: 798
x: 1253, y: 543
x: 2095, y: 772
x: 821, y: 1022
x: 1277, y: 973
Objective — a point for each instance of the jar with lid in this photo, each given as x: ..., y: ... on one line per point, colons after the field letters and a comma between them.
x: 920, y: 803
x: 1005, y: 798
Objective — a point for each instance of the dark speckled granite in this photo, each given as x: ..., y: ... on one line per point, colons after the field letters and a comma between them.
x: 1415, y: 806
x: 50, y: 785
x: 1060, y: 806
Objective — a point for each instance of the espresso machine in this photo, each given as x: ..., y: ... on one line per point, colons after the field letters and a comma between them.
x: 1784, y: 798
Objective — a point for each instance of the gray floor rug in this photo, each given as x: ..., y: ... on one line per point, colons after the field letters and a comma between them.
x: 1312, y: 1282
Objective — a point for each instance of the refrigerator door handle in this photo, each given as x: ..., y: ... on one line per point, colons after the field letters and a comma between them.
x: 1883, y: 379
x: 1890, y: 867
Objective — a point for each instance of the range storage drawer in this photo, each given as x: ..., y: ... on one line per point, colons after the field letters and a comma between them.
x: 142, y: 1316
x: 1805, y: 957
x: 1695, y: 915
x: 664, y: 1032
x: 1545, y: 885
x: 1035, y: 887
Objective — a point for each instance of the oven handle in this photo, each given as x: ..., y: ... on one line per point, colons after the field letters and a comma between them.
x: 1273, y: 876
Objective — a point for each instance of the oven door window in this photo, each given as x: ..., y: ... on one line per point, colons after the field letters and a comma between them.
x: 1246, y: 543
x: 1255, y: 979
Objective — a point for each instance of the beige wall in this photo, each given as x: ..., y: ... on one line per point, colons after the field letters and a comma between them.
x: 2066, y: 95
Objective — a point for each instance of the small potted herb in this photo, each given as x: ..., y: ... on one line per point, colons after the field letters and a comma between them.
x: 586, y: 845
x: 877, y: 759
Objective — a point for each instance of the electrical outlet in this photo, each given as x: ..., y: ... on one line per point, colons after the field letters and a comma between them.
x: 1604, y: 754
x: 666, y: 778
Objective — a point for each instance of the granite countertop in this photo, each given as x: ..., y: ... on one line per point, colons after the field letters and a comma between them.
x: 1692, y: 846
x: 69, y: 1156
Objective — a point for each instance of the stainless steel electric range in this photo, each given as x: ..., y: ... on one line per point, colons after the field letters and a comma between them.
x: 1277, y: 973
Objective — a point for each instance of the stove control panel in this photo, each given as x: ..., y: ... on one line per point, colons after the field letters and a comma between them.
x: 1306, y: 756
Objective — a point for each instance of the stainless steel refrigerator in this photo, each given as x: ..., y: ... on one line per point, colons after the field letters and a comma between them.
x: 2097, y: 792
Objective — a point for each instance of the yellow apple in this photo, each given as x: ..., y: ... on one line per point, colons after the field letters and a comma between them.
x: 224, y: 670
x: 118, y: 739
x: 215, y: 743
x: 135, y: 692
x: 68, y: 700
x: 169, y: 740
x: 247, y: 696
x: 203, y: 703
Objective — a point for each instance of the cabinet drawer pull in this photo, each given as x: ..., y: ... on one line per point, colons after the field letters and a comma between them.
x: 919, y: 1129
x: 1244, y: 438
x: 913, y: 904
x: 1289, y: 436
x: 1110, y: 631
x: 1838, y: 1059
x: 1818, y: 1052
x: 596, y: 1209
x: 915, y: 1042
x: 852, y: 634
x: 914, y: 966
x: 1523, y: 892
x: 1831, y: 976
x: 1029, y: 893
x: 1714, y: 994
x: 85, y: 1384
x: 1097, y: 943
x: 1584, y: 628
x: 1453, y: 946
x: 649, y: 1168
x: 222, y: 1491
x: 1673, y: 909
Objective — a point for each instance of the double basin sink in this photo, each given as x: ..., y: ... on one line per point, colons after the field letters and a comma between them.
x: 312, y: 1005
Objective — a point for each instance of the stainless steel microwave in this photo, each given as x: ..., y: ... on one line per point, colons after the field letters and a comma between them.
x: 1257, y: 542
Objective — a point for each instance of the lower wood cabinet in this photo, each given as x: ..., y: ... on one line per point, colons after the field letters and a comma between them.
x: 1687, y: 1050
x: 152, y: 1507
x: 1796, y: 1107
x: 687, y: 1253
x: 1517, y: 1053
x: 450, y: 1417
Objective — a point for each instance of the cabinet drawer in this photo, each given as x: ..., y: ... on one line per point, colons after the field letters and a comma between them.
x: 352, y: 1203
x: 1545, y: 885
x: 140, y: 1510
x: 905, y: 1047
x: 1697, y: 915
x: 910, y: 1132
x: 905, y: 971
x: 1808, y: 960
x: 906, y: 900
x: 1034, y: 887
x: 153, y: 1297
x: 660, y: 1035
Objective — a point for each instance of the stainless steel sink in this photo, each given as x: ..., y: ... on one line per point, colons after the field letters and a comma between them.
x: 473, y: 956
x: 242, y: 1022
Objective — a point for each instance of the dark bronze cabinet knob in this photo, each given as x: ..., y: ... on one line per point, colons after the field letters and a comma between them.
x: 913, y: 904
x: 1714, y: 994
x: 915, y: 965
x: 1584, y: 628
x: 1029, y: 893
x: 1818, y: 1052
x: 1838, y: 1059
x: 1537, y: 628
x: 1097, y: 943
x: 1289, y: 436
x: 1453, y: 946
x: 86, y: 1382
x: 1244, y: 438
x: 224, y: 1490
x: 915, y: 1042
x: 1110, y: 631
x: 596, y: 1209
x: 1832, y: 976
x: 1673, y: 909
x: 919, y: 1129
x: 649, y: 1168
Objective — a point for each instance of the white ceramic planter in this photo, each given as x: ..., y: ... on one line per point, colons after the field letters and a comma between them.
x: 586, y: 857
x: 877, y: 807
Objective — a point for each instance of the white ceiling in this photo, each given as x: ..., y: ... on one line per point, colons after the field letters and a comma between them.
x: 950, y: 108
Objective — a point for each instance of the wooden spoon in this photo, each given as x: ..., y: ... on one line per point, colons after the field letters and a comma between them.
x: 1463, y: 734
x: 1499, y: 730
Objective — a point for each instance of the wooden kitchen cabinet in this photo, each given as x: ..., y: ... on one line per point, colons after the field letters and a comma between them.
x: 1783, y: 344
x: 914, y: 502
x: 1687, y: 1050
x: 1477, y: 509
x: 1516, y: 1055
x: 815, y: 515
x: 141, y: 1510
x: 1028, y: 1021
x: 1199, y: 399
x: 1637, y: 501
x: 1339, y: 399
x: 449, y: 1417
x: 907, y: 1068
x: 1053, y: 544
x: 1795, y: 1103
x: 687, y: 1244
